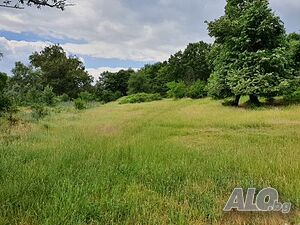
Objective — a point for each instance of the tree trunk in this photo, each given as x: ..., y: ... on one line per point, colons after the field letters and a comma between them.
x: 254, y: 100
x: 237, y: 100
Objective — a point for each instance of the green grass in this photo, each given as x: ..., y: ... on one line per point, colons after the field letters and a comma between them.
x: 167, y: 162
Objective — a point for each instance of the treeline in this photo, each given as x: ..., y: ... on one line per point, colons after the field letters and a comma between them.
x: 53, y: 77
x: 252, y: 55
x: 186, y: 71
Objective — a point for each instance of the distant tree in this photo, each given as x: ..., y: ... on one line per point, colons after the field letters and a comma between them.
x: 156, y: 77
x: 138, y: 83
x: 250, y: 51
x: 177, y: 90
x: 19, y: 4
x: 197, y: 90
x: 192, y: 64
x: 112, y: 86
x: 66, y: 75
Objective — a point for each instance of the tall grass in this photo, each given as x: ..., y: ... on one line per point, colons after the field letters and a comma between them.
x: 167, y: 162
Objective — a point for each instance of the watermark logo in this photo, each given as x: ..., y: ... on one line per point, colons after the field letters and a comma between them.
x: 266, y: 200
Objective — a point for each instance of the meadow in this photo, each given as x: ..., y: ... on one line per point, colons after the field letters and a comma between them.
x: 164, y: 162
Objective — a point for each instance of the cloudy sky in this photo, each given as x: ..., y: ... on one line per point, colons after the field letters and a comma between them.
x: 114, y: 34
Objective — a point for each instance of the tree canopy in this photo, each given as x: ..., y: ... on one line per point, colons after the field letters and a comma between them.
x: 250, y: 51
x: 66, y: 75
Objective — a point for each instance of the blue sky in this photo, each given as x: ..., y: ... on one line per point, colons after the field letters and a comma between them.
x: 115, y: 34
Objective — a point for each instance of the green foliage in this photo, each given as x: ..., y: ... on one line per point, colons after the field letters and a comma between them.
x: 79, y: 104
x: 294, y: 50
x: 3, y: 81
x: 112, y: 86
x: 39, y: 111
x: 48, y: 96
x: 250, y: 55
x: 25, y: 86
x: 262, y: 72
x: 176, y: 90
x: 191, y: 64
x: 293, y: 97
x: 197, y: 90
x: 109, y: 96
x: 64, y: 98
x: 5, y: 101
x: 138, y: 83
x: 140, y: 97
x: 64, y: 74
x: 5, y: 104
x: 86, y: 96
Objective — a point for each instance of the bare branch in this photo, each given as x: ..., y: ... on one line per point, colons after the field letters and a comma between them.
x: 19, y: 4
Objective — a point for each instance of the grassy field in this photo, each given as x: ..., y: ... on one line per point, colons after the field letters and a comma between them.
x: 167, y: 162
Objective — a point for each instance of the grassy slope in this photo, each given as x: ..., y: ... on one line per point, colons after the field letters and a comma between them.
x: 168, y: 162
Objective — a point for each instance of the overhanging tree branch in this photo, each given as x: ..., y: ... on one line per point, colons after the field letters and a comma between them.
x: 19, y: 4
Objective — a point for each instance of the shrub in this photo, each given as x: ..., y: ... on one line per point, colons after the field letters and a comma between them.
x: 39, y: 111
x: 86, y: 96
x: 140, y: 97
x: 79, y: 104
x: 64, y: 98
x: 197, y: 90
x: 293, y: 97
x: 5, y: 104
x: 48, y: 96
x: 109, y: 96
x: 176, y: 90
x: 11, y: 113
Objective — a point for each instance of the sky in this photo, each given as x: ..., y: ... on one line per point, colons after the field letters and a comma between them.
x: 117, y: 34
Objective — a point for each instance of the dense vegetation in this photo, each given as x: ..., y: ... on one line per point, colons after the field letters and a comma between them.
x: 252, y: 55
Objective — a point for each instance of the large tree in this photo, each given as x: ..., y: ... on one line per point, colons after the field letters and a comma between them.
x: 67, y: 75
x: 250, y: 51
x: 19, y: 4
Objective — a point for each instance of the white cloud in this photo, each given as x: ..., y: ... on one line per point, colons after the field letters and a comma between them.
x: 95, y: 72
x: 124, y: 29
x: 14, y: 51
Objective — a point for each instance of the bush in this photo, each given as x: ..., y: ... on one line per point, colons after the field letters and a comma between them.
x: 197, y: 90
x: 39, y: 111
x: 64, y: 98
x: 176, y: 90
x: 86, y: 96
x: 140, y: 97
x: 293, y: 97
x: 79, y: 104
x: 109, y: 96
x: 5, y: 104
x: 48, y: 96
